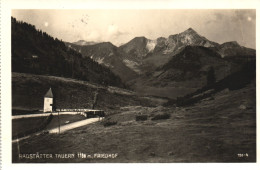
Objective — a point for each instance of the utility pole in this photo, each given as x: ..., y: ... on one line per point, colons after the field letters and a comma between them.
x: 59, y: 120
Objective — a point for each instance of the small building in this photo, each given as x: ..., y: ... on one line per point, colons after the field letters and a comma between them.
x: 48, y: 101
x: 34, y: 56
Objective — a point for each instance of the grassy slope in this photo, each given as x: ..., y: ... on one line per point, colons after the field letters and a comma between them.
x: 28, y: 91
x: 24, y: 124
x: 210, y: 131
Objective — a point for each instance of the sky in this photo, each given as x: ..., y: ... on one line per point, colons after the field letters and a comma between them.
x: 120, y: 26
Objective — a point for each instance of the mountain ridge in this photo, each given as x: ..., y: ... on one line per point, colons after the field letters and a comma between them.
x: 83, y: 42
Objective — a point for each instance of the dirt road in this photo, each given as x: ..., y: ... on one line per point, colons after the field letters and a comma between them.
x: 73, y: 125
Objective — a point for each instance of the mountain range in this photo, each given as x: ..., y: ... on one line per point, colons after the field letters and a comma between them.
x: 152, y: 67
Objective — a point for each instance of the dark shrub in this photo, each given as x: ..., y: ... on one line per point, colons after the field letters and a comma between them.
x: 141, y: 117
x: 109, y: 123
x: 161, y: 116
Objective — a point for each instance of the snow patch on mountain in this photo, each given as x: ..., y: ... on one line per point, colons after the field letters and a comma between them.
x: 101, y: 61
x: 187, y: 39
x: 151, y: 45
x: 132, y: 65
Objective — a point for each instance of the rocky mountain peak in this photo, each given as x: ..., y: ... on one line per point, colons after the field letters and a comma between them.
x: 190, y: 33
x: 190, y: 30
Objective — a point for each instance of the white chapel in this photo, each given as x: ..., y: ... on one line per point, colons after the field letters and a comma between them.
x: 48, y: 101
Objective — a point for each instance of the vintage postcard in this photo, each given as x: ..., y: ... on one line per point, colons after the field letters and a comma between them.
x: 110, y: 84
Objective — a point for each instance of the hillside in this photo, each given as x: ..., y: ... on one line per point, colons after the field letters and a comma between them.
x: 28, y: 91
x: 234, y: 81
x: 233, y: 49
x: 36, y: 52
x: 194, y: 62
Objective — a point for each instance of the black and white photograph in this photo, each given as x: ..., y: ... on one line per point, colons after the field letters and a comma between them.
x: 133, y: 86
